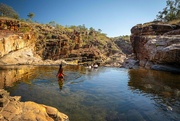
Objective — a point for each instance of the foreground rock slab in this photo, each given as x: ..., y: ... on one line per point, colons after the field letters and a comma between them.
x: 11, y: 109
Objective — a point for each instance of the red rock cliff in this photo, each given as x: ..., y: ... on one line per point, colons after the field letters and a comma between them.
x: 157, y: 45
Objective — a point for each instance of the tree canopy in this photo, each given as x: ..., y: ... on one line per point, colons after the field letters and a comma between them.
x: 31, y: 15
x: 170, y: 12
x: 8, y: 11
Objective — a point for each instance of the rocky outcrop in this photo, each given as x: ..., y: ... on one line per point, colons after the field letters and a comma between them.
x: 124, y: 44
x: 15, y: 42
x: 9, y: 24
x: 155, y: 44
x: 45, y: 42
x: 11, y: 109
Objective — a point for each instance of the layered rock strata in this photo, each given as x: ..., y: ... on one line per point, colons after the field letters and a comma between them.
x: 46, y: 42
x: 157, y: 46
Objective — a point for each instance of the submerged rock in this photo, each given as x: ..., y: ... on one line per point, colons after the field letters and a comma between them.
x: 11, y: 109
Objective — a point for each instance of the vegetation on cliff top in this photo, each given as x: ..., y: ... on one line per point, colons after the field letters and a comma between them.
x: 170, y: 12
x: 8, y: 11
x: 70, y: 38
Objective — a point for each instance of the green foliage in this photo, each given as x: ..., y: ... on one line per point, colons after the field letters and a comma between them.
x: 60, y: 27
x: 52, y: 23
x: 82, y: 28
x: 91, y: 29
x: 22, y: 20
x: 8, y: 11
x: 125, y: 38
x: 29, y: 20
x: 24, y: 29
x: 49, y: 36
x: 170, y: 12
x: 31, y: 15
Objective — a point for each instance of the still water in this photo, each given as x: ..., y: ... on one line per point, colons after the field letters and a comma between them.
x: 103, y: 94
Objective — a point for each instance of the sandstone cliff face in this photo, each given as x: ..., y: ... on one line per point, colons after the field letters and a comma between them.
x: 15, y: 36
x: 45, y: 42
x: 14, y: 43
x: 54, y: 44
x: 157, y: 46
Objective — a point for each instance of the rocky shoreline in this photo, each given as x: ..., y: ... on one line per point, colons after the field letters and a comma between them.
x: 12, y: 109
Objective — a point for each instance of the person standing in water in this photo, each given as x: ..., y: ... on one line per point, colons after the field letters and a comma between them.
x: 60, y: 73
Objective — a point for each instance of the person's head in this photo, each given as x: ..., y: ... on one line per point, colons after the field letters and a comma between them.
x: 60, y: 66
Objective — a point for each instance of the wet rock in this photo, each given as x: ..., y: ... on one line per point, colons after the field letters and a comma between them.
x: 166, y: 68
x: 131, y: 62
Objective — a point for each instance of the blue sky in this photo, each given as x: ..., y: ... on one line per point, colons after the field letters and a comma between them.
x: 113, y: 17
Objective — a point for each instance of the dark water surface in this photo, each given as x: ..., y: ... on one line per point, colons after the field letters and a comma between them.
x: 104, y: 94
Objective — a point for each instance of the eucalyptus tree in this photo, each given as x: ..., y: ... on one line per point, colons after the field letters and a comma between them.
x: 31, y: 15
x: 170, y: 12
x: 8, y: 11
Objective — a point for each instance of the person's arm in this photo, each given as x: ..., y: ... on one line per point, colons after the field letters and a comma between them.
x: 64, y: 74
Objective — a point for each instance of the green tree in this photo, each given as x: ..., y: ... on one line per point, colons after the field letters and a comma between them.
x: 31, y: 15
x: 99, y: 30
x: 8, y: 11
x: 52, y: 23
x: 91, y: 29
x: 170, y: 12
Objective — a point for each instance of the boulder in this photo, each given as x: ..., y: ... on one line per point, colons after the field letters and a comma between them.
x: 12, y: 109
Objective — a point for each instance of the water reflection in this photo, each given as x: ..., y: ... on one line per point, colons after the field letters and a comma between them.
x: 158, y: 83
x: 161, y: 87
x: 11, y: 74
x: 104, y: 94
x: 60, y: 82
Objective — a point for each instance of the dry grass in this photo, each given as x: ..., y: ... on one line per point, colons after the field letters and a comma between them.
x: 7, y: 18
x: 177, y: 21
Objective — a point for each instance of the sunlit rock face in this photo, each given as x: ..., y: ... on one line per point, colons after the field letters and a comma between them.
x: 14, y: 43
x: 44, y: 43
x: 15, y: 36
x: 12, y: 109
x: 155, y: 44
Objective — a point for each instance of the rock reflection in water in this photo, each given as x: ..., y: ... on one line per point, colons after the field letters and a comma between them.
x: 155, y: 82
x: 104, y: 94
x: 11, y: 74
x: 162, y: 87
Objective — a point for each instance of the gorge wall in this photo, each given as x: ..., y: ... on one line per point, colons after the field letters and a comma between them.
x: 39, y: 42
x: 157, y: 46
